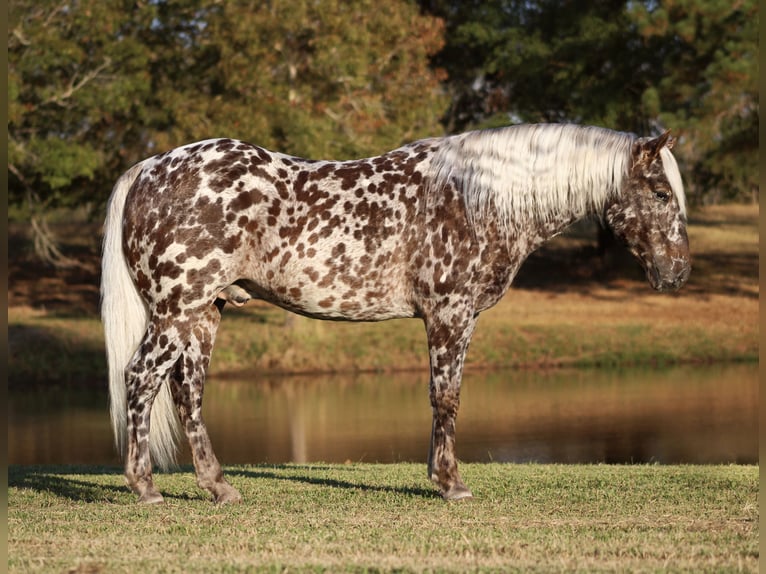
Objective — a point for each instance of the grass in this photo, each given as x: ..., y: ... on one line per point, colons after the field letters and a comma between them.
x: 381, y: 518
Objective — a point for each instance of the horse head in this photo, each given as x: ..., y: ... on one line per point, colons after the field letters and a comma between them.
x: 649, y: 215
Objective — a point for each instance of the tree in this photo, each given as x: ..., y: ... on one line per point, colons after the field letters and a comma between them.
x: 639, y: 66
x: 709, y: 87
x: 543, y: 61
x: 322, y: 79
x: 76, y: 80
x: 96, y: 86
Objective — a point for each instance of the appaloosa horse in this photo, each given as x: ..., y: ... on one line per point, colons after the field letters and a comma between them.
x: 436, y: 229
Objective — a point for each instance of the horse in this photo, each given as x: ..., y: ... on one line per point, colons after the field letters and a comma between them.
x: 436, y: 230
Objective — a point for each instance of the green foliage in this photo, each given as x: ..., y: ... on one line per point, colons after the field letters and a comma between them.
x: 77, y: 83
x: 95, y: 86
x: 634, y: 66
x: 542, y: 61
x: 64, y: 162
x: 709, y: 88
x: 320, y: 79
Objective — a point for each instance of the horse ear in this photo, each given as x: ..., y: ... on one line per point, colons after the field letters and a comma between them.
x: 647, y: 150
x: 662, y: 141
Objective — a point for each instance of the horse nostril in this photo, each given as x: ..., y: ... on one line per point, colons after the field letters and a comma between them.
x: 681, y: 278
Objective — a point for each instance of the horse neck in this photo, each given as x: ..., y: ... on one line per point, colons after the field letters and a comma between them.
x: 539, y: 220
x: 535, y: 180
x: 529, y: 235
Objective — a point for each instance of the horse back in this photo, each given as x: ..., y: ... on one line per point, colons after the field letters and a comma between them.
x: 336, y: 240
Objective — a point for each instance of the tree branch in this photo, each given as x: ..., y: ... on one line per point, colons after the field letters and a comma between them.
x: 60, y: 99
x: 46, y: 246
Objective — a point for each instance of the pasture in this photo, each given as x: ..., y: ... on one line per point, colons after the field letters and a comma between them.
x: 388, y: 518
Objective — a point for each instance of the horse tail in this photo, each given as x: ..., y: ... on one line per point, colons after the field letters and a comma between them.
x: 125, y: 317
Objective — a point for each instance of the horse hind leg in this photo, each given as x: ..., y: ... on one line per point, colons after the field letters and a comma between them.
x: 145, y: 373
x: 187, y: 384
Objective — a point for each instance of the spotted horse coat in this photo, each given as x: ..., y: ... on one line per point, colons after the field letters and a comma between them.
x: 436, y: 229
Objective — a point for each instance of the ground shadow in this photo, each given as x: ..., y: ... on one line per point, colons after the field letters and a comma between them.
x: 59, y: 481
x: 264, y: 473
x: 59, y: 356
x: 574, y: 266
x: 68, y: 482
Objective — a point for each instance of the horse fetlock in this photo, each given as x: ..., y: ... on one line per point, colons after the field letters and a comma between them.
x: 213, y: 481
x: 447, y: 478
x: 451, y: 486
x: 144, y: 488
x: 151, y: 497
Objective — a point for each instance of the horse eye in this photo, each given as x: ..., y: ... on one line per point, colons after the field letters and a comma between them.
x: 663, y: 196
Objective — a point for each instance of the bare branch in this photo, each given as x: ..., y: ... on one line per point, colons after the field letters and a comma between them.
x: 20, y: 37
x: 60, y: 99
x: 54, y: 12
x: 46, y: 246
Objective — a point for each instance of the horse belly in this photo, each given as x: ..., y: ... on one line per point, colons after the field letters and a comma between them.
x: 337, y: 280
x: 369, y: 305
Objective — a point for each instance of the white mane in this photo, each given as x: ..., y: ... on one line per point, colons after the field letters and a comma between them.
x: 541, y: 171
x: 674, y: 178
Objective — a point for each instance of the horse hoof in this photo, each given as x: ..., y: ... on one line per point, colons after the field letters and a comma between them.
x: 228, y: 496
x: 151, y: 498
x: 458, y: 492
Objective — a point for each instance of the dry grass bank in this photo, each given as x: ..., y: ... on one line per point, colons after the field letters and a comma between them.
x: 567, y: 308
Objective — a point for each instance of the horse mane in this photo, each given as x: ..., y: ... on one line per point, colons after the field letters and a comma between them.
x: 674, y: 178
x: 541, y: 171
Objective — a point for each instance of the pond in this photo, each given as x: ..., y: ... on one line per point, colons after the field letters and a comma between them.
x: 691, y: 414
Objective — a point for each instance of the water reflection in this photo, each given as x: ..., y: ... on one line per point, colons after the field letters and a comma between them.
x: 680, y: 415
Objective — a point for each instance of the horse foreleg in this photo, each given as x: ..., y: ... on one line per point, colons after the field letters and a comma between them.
x: 448, y: 337
x: 187, y: 385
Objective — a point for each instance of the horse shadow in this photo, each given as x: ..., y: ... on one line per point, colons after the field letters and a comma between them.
x: 71, y: 482
x: 265, y: 473
x: 67, y: 482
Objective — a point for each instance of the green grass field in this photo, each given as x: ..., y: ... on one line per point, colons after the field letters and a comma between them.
x: 388, y: 518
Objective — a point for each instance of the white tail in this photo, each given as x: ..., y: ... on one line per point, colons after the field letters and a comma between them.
x: 125, y: 318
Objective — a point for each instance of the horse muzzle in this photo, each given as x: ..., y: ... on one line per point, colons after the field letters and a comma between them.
x: 668, y: 273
